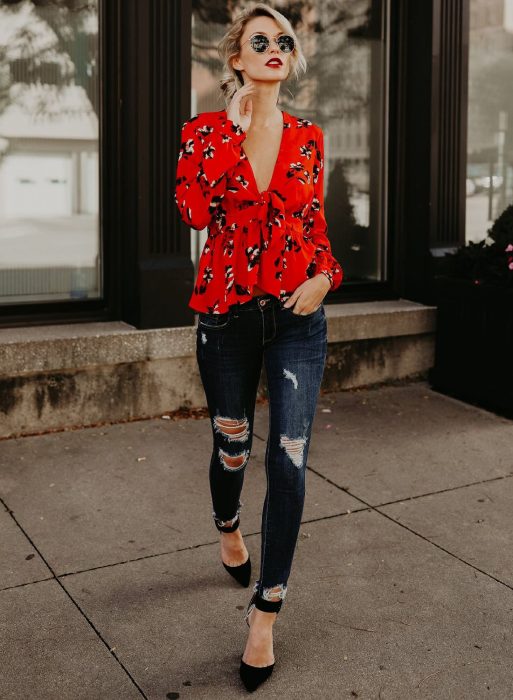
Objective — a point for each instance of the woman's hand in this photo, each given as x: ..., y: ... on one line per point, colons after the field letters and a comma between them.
x: 309, y: 295
x: 241, y: 106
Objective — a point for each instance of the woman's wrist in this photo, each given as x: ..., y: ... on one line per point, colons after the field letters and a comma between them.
x: 328, y: 280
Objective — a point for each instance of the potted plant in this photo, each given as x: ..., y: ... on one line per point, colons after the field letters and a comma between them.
x: 474, y: 339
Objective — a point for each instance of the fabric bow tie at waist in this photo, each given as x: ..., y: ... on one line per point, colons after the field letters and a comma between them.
x: 272, y: 210
x: 268, y: 258
x: 272, y: 215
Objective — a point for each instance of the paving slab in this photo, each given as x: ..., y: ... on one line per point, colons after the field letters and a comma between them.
x: 94, y: 497
x: 372, y: 611
x: 50, y: 651
x: 395, y: 442
x: 20, y: 561
x: 473, y: 523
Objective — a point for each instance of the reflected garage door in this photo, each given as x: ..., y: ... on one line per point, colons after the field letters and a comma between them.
x: 36, y: 185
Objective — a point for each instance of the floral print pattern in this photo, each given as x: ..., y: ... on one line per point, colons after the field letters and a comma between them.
x: 275, y: 239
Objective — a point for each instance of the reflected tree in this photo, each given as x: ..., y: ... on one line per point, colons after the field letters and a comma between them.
x: 50, y: 43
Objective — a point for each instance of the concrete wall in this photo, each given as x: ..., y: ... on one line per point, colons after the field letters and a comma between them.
x: 57, y: 377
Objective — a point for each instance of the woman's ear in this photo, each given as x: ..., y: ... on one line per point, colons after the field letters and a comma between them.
x: 236, y: 64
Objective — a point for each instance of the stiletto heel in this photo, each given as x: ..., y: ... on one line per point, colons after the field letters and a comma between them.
x: 249, y: 609
x: 242, y: 572
x: 253, y: 676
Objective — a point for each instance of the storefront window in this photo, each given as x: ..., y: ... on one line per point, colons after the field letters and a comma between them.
x: 490, y: 115
x: 344, y: 91
x: 49, y: 169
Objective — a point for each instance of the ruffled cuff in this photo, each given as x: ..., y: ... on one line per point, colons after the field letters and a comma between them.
x: 334, y: 274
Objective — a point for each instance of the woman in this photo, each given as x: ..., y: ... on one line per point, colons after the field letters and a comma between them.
x: 254, y: 175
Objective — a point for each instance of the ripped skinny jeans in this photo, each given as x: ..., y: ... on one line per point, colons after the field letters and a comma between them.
x: 230, y: 348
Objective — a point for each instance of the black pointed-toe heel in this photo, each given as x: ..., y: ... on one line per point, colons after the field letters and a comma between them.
x: 253, y: 676
x: 242, y: 572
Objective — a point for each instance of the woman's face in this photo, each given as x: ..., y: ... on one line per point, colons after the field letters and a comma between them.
x: 253, y: 64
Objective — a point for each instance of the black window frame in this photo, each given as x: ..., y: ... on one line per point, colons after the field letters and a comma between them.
x: 106, y: 306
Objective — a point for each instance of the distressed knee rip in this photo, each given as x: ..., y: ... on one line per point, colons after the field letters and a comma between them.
x: 275, y: 593
x: 294, y: 449
x: 234, y: 429
x: 233, y: 462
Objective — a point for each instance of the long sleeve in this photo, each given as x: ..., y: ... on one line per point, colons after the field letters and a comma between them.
x: 316, y: 226
x: 209, y: 148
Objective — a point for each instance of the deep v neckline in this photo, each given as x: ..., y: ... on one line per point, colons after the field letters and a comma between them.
x: 277, y: 161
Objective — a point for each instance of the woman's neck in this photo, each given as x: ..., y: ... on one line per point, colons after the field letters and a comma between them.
x: 265, y: 112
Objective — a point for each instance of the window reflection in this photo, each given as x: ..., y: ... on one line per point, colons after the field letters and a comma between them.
x: 49, y: 181
x: 490, y: 115
x: 344, y: 91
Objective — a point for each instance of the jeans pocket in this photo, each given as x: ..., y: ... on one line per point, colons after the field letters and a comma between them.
x: 310, y: 315
x: 213, y: 321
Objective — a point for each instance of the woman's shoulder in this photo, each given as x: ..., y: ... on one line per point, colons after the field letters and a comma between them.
x: 303, y: 123
x: 214, y: 125
x: 206, y: 117
x: 220, y: 115
x: 206, y: 123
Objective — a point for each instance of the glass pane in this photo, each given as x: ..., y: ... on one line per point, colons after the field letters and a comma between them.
x: 49, y: 170
x: 344, y: 91
x: 490, y: 115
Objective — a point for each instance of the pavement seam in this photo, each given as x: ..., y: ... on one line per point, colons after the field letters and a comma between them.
x: 73, y: 601
x: 27, y: 583
x: 418, y: 534
x: 364, y: 507
x: 172, y: 551
x: 447, y: 490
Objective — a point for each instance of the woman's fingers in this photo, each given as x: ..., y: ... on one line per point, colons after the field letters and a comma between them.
x: 248, y: 107
x: 244, y: 90
x: 241, y: 105
x: 242, y: 98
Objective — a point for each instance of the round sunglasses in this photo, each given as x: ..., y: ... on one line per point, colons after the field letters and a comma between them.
x: 260, y: 43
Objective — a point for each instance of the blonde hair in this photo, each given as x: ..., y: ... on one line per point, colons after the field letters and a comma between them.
x: 229, y: 47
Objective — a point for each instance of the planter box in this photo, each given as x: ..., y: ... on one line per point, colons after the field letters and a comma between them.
x: 474, y: 344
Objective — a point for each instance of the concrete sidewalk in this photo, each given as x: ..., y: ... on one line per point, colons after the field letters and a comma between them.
x: 111, y: 584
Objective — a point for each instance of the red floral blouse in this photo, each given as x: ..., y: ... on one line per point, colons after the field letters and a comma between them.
x: 275, y: 239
